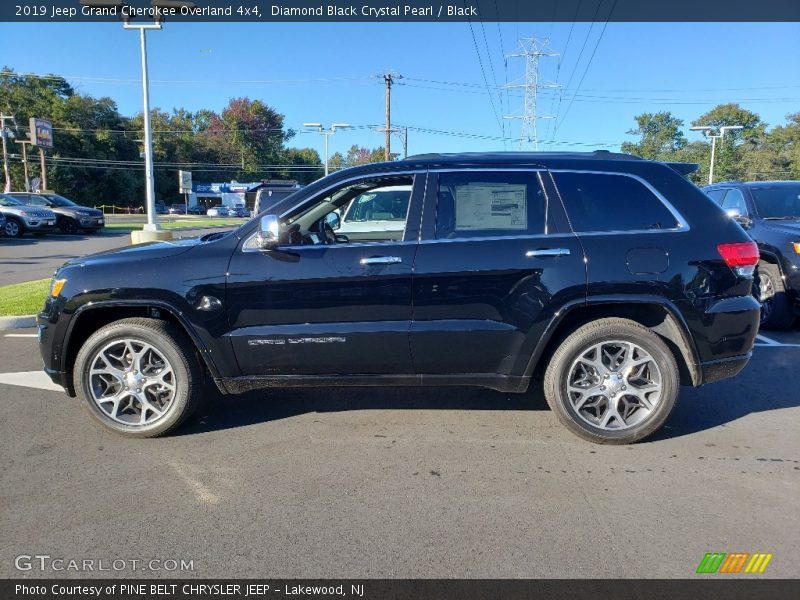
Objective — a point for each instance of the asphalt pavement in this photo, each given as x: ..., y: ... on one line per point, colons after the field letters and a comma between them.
x: 403, y: 483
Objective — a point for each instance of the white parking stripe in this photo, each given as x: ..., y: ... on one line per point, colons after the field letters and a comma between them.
x: 21, y: 335
x: 31, y: 379
x: 766, y: 340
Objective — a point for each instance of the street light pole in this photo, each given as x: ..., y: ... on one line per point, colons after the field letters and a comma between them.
x: 326, y: 133
x: 149, y: 180
x: 707, y: 129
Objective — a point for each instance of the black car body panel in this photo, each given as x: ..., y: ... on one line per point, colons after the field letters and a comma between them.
x: 477, y: 310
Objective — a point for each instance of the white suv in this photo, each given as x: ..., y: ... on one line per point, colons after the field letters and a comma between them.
x: 379, y: 214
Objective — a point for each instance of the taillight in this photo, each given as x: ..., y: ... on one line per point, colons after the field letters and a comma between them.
x: 742, y: 257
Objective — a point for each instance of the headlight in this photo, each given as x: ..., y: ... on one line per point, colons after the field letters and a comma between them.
x: 56, y: 286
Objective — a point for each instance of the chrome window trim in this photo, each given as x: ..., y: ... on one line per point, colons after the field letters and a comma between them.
x: 683, y: 225
x: 491, y: 238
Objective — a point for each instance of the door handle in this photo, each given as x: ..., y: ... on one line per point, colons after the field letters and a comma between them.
x: 547, y: 252
x: 381, y: 260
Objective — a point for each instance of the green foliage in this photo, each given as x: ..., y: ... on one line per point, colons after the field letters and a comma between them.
x: 232, y: 145
x: 357, y: 155
x: 752, y: 153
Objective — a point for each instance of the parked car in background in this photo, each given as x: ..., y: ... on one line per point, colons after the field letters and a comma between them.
x: 177, y: 209
x: 161, y: 208
x: 612, y: 279
x: 217, y: 211
x: 770, y: 213
x: 2, y: 224
x: 197, y: 209
x: 240, y: 210
x: 376, y: 214
x: 70, y: 217
x: 21, y: 218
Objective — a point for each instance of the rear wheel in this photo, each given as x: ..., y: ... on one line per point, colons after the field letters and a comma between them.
x: 612, y: 381
x: 68, y: 225
x: 769, y: 290
x: 136, y: 377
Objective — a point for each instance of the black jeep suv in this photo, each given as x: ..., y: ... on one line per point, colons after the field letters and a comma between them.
x: 613, y: 278
x: 770, y: 212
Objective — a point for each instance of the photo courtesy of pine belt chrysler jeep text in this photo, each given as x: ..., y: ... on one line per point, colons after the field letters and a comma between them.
x: 611, y: 278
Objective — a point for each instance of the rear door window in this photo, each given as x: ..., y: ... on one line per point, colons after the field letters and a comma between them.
x: 489, y: 204
x: 611, y: 202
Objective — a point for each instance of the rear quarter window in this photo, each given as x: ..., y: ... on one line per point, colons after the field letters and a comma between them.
x: 611, y: 202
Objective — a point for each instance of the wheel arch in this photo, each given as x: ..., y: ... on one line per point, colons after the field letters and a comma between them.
x: 91, y: 317
x: 656, y: 314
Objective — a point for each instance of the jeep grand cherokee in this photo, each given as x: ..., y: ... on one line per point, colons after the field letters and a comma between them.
x: 613, y: 278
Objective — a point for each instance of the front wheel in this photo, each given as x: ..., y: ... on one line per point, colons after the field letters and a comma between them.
x: 136, y: 377
x: 68, y: 225
x: 612, y: 381
x: 13, y: 228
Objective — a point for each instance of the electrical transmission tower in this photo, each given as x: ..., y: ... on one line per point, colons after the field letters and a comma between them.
x: 531, y: 49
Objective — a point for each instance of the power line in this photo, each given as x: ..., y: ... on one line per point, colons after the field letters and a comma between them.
x: 588, y: 65
x: 483, y: 73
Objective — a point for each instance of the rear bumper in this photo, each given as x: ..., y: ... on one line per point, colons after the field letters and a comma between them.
x: 717, y: 370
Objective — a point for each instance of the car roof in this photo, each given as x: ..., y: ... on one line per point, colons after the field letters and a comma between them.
x: 782, y: 183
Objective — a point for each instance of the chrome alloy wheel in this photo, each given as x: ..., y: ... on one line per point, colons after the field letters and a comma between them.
x: 614, y: 385
x: 132, y: 382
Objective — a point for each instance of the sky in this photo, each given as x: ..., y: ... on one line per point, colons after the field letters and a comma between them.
x: 452, y: 75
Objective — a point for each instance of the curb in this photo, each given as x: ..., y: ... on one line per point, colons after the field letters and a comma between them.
x: 17, y: 322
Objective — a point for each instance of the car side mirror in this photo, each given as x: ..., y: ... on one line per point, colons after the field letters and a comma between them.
x: 268, y: 235
x: 743, y: 220
x: 333, y: 220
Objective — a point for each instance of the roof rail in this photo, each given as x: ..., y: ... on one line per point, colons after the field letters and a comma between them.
x: 599, y: 154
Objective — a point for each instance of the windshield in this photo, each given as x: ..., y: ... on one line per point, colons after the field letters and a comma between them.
x: 6, y: 201
x: 59, y: 201
x: 780, y: 201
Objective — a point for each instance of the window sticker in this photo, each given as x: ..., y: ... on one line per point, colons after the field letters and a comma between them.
x: 491, y: 206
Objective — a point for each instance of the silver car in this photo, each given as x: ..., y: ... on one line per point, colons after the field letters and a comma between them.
x: 70, y: 217
x: 22, y: 219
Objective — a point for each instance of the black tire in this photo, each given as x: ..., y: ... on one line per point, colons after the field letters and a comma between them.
x: 170, y: 342
x: 577, y: 345
x: 67, y: 225
x: 13, y: 227
x: 776, y: 308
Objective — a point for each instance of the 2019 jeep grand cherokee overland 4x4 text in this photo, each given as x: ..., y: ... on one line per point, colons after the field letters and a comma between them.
x: 612, y: 277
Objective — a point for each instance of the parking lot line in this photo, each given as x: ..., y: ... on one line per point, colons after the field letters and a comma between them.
x: 21, y: 335
x: 770, y: 343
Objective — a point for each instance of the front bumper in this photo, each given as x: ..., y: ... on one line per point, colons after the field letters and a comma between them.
x: 40, y: 225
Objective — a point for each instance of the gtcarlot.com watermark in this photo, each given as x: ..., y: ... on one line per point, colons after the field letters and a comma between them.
x: 57, y: 564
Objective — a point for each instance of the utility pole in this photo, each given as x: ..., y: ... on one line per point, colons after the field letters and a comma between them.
x: 387, y: 78
x: 531, y: 49
x: 24, y: 144
x: 4, y: 133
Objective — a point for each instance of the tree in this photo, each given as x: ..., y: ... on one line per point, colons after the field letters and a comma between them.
x: 660, y: 136
x: 357, y: 155
x: 729, y: 162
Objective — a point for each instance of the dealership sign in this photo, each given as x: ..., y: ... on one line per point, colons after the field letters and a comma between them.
x: 185, y: 182
x: 41, y: 133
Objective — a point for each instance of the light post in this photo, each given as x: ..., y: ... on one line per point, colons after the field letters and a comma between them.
x: 150, y: 195
x: 326, y: 133
x: 707, y: 129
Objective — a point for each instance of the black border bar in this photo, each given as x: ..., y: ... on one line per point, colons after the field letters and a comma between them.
x: 366, y: 11
x: 709, y: 588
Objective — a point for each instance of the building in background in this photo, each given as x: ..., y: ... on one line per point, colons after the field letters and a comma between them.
x: 238, y: 194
